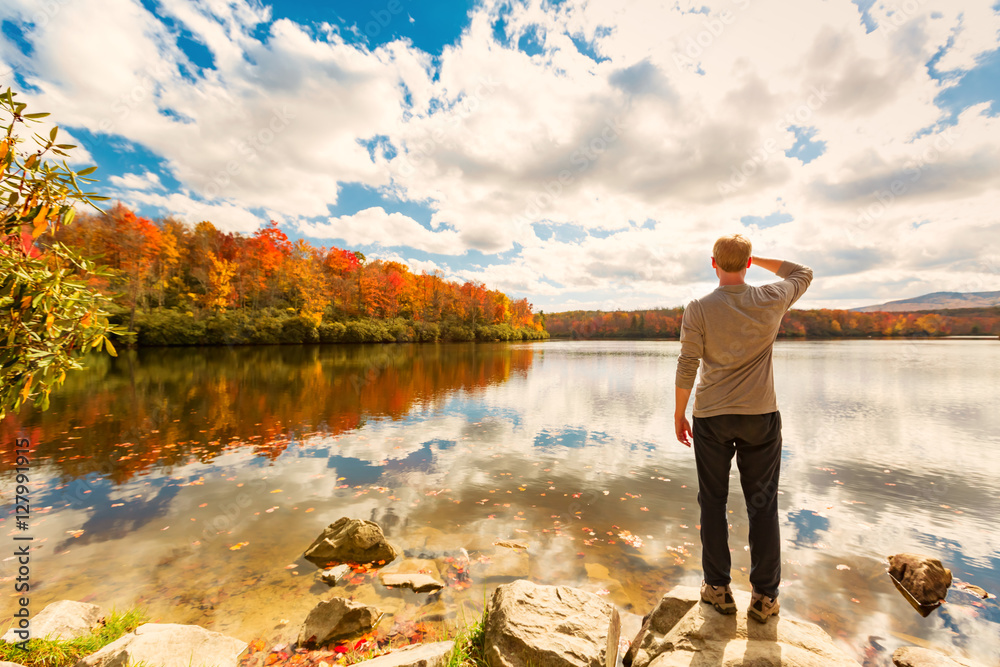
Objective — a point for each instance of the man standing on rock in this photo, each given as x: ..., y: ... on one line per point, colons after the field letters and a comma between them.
x: 730, y: 332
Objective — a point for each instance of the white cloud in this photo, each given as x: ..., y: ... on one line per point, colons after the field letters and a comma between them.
x: 496, y: 140
x: 375, y: 226
x: 147, y: 180
x: 226, y: 217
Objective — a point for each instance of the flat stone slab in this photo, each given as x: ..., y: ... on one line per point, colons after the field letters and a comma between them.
x: 912, y: 656
x: 420, y: 583
x: 61, y: 620
x: 334, y: 574
x: 682, y: 631
x: 415, y: 655
x: 169, y: 645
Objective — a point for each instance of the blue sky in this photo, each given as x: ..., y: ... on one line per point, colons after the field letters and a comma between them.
x: 585, y: 155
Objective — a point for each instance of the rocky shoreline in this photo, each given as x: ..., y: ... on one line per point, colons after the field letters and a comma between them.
x: 524, y: 624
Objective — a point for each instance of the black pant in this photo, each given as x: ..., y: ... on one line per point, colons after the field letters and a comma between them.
x: 756, y: 441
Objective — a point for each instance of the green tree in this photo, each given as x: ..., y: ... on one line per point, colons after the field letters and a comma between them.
x: 49, y: 314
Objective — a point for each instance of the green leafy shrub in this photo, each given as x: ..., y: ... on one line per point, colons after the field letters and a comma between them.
x: 332, y: 332
x: 168, y: 327
x: 299, y: 330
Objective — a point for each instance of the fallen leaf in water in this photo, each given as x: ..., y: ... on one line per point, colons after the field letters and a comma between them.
x: 276, y: 491
x: 238, y: 545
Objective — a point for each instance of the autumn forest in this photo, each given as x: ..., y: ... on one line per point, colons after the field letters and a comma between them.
x: 181, y: 285
x: 177, y: 284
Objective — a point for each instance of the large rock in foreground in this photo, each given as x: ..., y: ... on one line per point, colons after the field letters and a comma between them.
x: 924, y: 577
x: 911, y: 656
x: 682, y: 630
x: 168, y: 645
x: 351, y: 541
x: 61, y: 620
x: 550, y: 626
x: 336, y: 618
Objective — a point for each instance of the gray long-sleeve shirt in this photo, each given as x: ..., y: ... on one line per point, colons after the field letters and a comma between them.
x: 730, y: 332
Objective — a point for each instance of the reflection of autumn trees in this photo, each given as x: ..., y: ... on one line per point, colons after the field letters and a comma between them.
x: 822, y: 323
x: 202, y: 270
x: 159, y: 408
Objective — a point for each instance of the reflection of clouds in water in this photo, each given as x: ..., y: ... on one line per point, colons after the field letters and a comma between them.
x: 583, y: 422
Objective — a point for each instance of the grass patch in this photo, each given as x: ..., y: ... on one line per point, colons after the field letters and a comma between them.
x: 469, y: 648
x: 57, y: 653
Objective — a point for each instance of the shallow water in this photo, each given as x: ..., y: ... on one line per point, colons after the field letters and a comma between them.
x: 191, y: 481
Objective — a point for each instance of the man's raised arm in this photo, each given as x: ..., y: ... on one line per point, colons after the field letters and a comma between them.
x: 797, y: 277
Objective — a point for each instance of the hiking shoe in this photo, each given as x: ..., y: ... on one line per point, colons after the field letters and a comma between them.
x: 762, y: 606
x: 720, y: 597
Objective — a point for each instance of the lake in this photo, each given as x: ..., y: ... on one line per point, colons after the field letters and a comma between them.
x: 190, y: 481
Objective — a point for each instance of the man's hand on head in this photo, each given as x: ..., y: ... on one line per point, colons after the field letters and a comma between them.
x: 683, y: 429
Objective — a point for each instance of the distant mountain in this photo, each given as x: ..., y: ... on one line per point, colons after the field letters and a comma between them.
x: 937, y: 301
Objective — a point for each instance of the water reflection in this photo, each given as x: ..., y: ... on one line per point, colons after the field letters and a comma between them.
x: 159, y: 408
x: 566, y: 446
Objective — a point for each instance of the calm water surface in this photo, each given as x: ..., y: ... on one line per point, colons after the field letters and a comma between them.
x: 191, y: 481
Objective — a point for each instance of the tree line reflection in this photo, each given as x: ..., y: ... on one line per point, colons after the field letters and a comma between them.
x: 158, y: 408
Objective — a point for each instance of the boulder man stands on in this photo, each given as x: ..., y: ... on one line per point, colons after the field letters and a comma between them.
x: 730, y: 332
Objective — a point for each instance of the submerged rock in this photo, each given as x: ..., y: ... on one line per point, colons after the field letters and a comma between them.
x: 925, y: 578
x: 168, y: 645
x: 510, y: 544
x: 911, y: 656
x: 62, y: 620
x: 334, y: 574
x: 682, y: 630
x: 351, y: 541
x: 337, y: 618
x: 415, y: 655
x: 550, y: 626
x: 420, y: 583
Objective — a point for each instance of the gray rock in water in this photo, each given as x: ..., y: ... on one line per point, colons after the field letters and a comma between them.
x: 420, y: 583
x: 415, y: 655
x: 924, y: 577
x: 682, y: 630
x: 336, y: 618
x: 335, y: 574
x: 168, y: 645
x: 351, y: 541
x: 550, y: 626
x: 62, y: 620
x: 911, y: 656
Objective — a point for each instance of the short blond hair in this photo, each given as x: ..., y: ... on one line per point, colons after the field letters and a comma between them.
x: 732, y: 252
